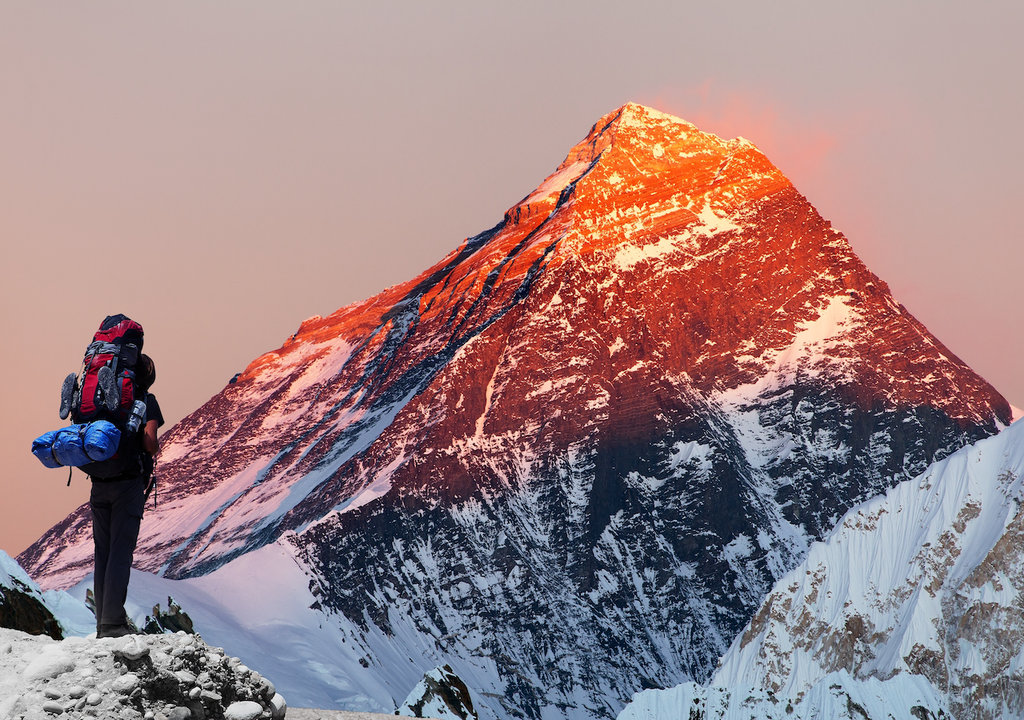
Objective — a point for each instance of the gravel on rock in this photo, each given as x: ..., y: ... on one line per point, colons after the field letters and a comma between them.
x: 137, y: 677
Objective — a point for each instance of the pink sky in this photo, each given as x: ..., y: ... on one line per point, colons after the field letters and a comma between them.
x: 221, y: 171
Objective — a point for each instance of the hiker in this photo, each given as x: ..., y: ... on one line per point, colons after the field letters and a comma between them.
x: 112, y: 440
x: 117, y: 502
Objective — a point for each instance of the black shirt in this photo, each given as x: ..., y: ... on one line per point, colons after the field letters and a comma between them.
x: 153, y: 410
x: 152, y: 413
x: 140, y: 464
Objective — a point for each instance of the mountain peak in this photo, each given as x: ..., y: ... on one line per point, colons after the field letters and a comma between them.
x: 645, y: 127
x: 637, y: 162
x: 634, y: 115
x: 651, y: 385
x: 641, y: 116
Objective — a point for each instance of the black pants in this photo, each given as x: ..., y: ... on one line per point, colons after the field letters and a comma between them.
x: 116, y: 516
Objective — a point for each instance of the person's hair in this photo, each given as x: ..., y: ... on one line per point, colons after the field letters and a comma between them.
x: 145, y: 372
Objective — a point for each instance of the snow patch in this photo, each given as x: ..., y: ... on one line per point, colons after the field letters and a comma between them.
x: 558, y: 182
x: 685, y: 452
x: 812, y: 353
x: 707, y: 223
x: 379, y: 487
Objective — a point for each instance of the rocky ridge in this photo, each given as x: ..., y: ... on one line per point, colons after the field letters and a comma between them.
x: 571, y: 459
x: 139, y: 677
x: 440, y: 694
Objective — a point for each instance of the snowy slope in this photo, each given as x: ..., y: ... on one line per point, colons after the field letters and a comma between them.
x: 921, y: 587
x: 835, y: 696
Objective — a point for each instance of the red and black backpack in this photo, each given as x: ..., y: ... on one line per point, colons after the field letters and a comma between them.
x: 106, y: 389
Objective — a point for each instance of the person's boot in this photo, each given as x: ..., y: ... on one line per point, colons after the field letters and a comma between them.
x: 114, y: 631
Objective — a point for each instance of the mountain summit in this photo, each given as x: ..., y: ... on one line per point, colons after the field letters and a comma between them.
x: 570, y: 459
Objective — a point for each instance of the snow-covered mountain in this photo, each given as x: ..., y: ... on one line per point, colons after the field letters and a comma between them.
x: 915, y: 600
x: 569, y: 460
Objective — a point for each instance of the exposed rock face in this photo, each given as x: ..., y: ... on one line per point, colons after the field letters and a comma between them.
x: 21, y: 611
x: 441, y: 694
x: 173, y: 620
x: 21, y: 605
x: 585, y: 444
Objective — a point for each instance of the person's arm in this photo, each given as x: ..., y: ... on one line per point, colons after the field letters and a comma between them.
x: 149, y: 442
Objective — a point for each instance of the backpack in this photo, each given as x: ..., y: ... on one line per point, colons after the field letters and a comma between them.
x: 106, y: 389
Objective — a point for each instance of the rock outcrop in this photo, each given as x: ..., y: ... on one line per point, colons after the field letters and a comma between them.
x: 21, y: 604
x: 440, y: 694
x: 156, y: 677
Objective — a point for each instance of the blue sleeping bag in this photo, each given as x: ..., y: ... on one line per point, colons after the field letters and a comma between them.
x: 101, y: 440
x: 77, y: 445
